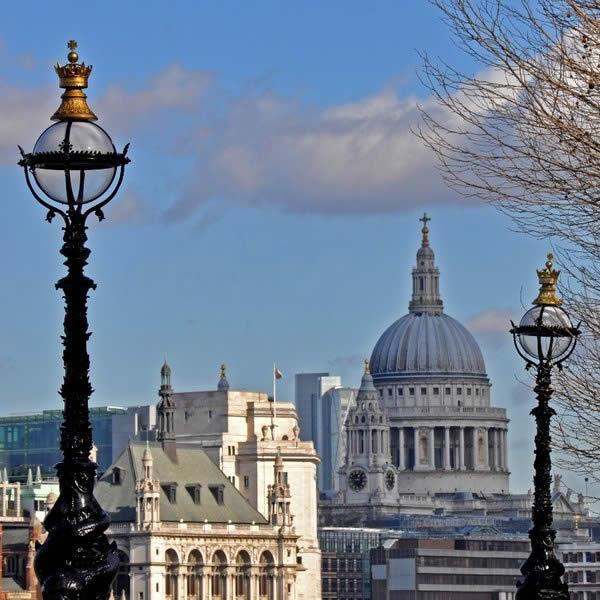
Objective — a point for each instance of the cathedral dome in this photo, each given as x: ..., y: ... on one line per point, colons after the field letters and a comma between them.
x: 426, y: 344
x: 426, y: 341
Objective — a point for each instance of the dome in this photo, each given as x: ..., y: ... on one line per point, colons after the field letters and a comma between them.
x: 426, y: 344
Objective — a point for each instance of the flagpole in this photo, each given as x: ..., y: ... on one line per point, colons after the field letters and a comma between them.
x: 274, y: 392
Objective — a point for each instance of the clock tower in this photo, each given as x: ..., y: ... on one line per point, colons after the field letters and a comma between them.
x: 367, y: 477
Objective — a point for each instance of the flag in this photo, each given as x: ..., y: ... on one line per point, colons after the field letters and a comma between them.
x: 278, y: 374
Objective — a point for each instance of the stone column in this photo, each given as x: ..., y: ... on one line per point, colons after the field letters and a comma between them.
x: 461, y: 449
x: 416, y: 445
x: 497, y: 465
x: 501, y: 449
x: 432, y: 448
x: 486, y: 448
x: 401, y: 460
x: 474, y: 448
x: 18, y: 499
x: 505, y: 438
x: 446, y: 448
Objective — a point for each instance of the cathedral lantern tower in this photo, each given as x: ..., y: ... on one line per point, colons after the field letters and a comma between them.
x: 368, y: 475
x: 147, y: 493
x: 166, y: 413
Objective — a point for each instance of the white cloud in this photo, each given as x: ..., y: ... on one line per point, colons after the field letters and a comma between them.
x: 355, y: 158
x: 491, y: 322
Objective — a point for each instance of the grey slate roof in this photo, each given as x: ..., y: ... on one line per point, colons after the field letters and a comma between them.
x: 193, y: 467
x: 426, y: 344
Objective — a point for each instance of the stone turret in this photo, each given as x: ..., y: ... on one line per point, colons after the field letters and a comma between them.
x: 147, y: 492
x: 166, y: 414
x: 279, y: 496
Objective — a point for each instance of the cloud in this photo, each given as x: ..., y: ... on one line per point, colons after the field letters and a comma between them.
x: 175, y: 88
x: 261, y: 148
x: 25, y: 112
x: 491, y: 322
x: 354, y: 158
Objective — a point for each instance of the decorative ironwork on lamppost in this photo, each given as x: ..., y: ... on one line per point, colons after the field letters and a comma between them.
x: 544, y: 338
x: 73, y: 171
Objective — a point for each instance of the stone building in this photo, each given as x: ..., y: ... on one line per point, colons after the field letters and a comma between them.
x: 222, y: 506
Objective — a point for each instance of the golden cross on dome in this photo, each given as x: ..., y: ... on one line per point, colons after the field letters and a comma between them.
x: 72, y: 44
x: 223, y: 371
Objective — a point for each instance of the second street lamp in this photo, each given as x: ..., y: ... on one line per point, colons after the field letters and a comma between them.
x: 544, y: 338
x: 73, y: 171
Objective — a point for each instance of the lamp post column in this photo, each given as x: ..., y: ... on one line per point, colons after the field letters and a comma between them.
x: 542, y: 570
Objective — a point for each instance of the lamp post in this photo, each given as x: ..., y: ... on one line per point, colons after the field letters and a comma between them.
x: 544, y: 338
x: 73, y: 171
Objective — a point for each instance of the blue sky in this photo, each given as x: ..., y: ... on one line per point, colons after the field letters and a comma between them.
x: 270, y: 210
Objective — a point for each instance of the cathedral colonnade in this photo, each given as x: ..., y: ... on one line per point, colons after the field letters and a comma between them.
x: 449, y: 447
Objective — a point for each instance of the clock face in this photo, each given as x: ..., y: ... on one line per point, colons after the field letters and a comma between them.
x: 390, y: 479
x: 357, y: 480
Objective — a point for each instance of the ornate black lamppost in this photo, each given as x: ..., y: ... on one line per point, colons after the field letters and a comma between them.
x: 73, y: 171
x: 545, y: 338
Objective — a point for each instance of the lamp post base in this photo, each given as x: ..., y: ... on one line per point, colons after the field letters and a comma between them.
x: 542, y: 570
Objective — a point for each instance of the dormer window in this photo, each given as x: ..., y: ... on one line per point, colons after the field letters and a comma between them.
x: 170, y: 489
x: 117, y: 476
x: 194, y: 490
x: 218, y: 492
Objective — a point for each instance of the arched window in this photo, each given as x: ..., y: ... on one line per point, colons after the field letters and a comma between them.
x: 218, y: 579
x: 361, y: 442
x: 374, y: 441
x: 194, y: 575
x: 266, y: 574
x: 242, y: 576
x: 171, y: 574
x: 121, y: 582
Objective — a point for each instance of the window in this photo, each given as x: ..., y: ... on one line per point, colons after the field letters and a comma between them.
x: 246, y: 482
x: 209, y: 415
x: 140, y: 595
x: 390, y: 392
x: 423, y: 391
x: 421, y: 284
x: 170, y: 489
x: 218, y: 492
x: 477, y: 391
x: 458, y: 391
x: 411, y: 391
x: 436, y: 391
x: 195, y: 492
x: 400, y: 391
x: 380, y: 392
x: 468, y: 391
x: 448, y: 391
x: 116, y: 476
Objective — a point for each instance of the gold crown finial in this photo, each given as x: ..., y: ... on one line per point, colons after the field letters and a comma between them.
x: 547, y: 278
x: 223, y: 371
x: 367, y: 369
x: 73, y: 78
x: 424, y: 219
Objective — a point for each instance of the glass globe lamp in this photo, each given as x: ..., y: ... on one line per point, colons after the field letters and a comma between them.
x: 74, y: 162
x: 545, y: 334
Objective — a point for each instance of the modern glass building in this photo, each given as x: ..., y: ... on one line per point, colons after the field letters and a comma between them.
x: 345, y: 561
x: 29, y: 440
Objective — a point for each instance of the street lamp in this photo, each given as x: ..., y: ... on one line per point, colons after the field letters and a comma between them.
x: 73, y: 171
x: 544, y: 338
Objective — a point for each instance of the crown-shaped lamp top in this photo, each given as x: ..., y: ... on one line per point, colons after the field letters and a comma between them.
x: 73, y: 78
x: 548, y: 278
